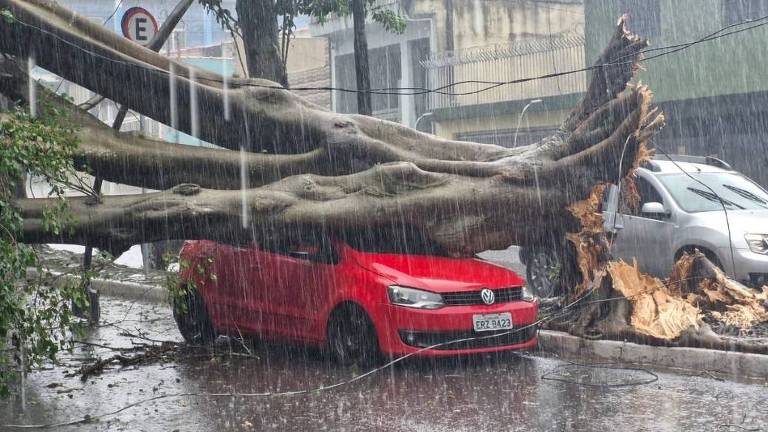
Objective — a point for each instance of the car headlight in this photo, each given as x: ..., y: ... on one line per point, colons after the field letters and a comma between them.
x: 758, y: 243
x: 414, y: 298
x: 528, y: 294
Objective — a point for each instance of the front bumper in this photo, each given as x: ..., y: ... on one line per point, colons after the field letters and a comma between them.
x: 747, y: 266
x: 405, y: 330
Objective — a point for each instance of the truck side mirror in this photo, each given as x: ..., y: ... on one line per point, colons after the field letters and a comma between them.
x: 610, y: 208
x: 654, y: 209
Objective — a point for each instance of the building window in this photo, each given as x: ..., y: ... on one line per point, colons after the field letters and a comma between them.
x: 385, y: 72
x: 737, y: 11
x: 644, y: 16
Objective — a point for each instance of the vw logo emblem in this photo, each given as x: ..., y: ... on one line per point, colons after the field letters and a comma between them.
x: 487, y: 296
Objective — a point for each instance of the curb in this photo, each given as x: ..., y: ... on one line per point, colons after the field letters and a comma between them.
x: 126, y: 290
x: 745, y: 365
x: 130, y: 290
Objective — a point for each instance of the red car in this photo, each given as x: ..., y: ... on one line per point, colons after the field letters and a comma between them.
x: 356, y: 296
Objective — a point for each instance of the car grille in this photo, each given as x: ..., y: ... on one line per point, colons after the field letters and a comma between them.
x: 502, y: 295
x: 758, y: 279
x: 475, y: 340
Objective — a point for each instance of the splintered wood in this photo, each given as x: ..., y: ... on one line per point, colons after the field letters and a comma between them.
x: 706, y: 286
x: 694, y: 289
x: 656, y: 310
x: 588, y: 247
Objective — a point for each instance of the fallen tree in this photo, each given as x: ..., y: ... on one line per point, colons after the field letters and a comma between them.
x: 477, y: 196
x: 309, y: 169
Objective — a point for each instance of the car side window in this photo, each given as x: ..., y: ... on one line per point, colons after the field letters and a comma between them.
x: 648, y: 193
x: 316, y: 248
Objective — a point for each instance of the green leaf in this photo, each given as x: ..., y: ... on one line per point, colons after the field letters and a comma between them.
x: 7, y: 15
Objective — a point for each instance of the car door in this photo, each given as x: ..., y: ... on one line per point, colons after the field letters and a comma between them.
x: 301, y: 275
x: 234, y: 277
x: 645, y: 237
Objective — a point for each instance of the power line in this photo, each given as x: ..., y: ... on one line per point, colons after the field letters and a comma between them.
x: 415, y: 91
x: 106, y: 20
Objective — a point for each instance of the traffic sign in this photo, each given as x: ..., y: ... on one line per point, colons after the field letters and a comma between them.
x: 139, y: 25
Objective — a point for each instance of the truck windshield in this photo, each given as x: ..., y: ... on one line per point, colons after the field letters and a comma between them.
x: 733, y: 190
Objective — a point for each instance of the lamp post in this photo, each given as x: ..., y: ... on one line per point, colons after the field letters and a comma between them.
x: 520, y: 119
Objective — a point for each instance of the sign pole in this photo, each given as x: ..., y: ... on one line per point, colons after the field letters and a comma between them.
x: 141, y: 19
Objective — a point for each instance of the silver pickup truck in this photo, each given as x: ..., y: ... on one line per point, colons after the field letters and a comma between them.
x: 686, y: 203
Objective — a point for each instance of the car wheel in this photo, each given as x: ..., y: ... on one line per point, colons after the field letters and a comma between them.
x: 542, y: 272
x: 192, y: 319
x: 352, y: 337
x: 711, y: 256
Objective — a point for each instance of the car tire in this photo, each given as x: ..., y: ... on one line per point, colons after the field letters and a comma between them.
x: 352, y: 337
x: 192, y: 319
x: 540, y: 273
x: 711, y: 256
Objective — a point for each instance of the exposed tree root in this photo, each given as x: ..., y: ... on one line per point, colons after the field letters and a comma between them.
x: 620, y: 302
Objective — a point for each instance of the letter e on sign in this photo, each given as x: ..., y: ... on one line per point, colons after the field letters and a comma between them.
x: 139, y: 25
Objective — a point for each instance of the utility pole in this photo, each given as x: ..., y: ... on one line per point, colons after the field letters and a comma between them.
x: 362, y: 71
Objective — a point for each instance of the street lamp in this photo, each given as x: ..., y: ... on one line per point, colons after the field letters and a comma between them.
x: 520, y: 119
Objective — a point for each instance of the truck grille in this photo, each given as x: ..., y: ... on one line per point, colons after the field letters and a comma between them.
x: 475, y: 340
x: 468, y: 298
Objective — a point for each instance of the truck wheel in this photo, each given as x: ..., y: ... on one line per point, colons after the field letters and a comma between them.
x: 542, y: 273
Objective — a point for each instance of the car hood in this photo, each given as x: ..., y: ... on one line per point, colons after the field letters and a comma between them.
x: 751, y: 221
x: 438, y: 274
x: 741, y: 221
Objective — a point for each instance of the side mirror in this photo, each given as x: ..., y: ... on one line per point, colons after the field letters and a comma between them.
x: 654, y: 209
x: 611, y: 222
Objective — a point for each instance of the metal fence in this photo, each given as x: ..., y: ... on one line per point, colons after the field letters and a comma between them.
x: 503, y: 63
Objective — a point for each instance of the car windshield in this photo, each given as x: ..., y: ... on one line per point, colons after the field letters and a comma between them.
x: 393, y: 241
x: 732, y: 190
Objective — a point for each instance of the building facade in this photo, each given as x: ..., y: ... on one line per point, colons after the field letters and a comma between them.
x: 713, y: 93
x: 452, y: 44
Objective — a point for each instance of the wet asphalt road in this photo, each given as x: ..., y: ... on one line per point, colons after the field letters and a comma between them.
x: 495, y: 393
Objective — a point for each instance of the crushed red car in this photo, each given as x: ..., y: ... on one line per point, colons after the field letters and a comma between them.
x: 356, y: 296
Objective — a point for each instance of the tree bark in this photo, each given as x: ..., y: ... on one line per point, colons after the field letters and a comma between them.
x: 362, y: 71
x: 258, y: 24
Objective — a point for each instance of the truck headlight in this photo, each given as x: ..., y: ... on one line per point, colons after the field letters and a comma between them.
x: 758, y: 243
x: 411, y: 297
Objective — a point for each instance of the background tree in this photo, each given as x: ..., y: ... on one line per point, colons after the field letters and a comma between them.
x: 267, y: 28
x: 362, y: 70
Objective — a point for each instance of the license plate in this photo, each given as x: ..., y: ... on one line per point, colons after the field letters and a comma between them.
x: 490, y: 322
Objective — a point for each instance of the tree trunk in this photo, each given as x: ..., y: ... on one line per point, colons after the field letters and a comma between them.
x: 258, y: 24
x: 362, y: 71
